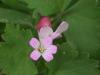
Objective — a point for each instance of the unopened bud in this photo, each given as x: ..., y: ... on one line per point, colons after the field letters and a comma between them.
x: 44, y: 21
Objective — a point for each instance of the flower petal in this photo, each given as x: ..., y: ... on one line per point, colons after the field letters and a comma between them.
x: 62, y: 27
x: 55, y: 35
x: 45, y: 32
x: 35, y: 55
x: 46, y: 42
x: 47, y: 56
x: 52, y: 49
x: 34, y: 43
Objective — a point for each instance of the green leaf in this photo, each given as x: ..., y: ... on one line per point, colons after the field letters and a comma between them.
x: 12, y: 16
x: 66, y: 52
x: 84, y: 26
x: 2, y: 26
x: 15, y: 4
x: 69, y: 61
x: 47, y: 7
x: 98, y: 2
x: 72, y: 2
x: 79, y: 67
x: 96, y: 55
x: 14, y: 52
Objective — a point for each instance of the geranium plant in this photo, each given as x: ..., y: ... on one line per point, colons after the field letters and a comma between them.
x: 49, y: 37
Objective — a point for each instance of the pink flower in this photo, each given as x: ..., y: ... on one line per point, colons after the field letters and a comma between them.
x: 44, y: 21
x: 42, y: 48
x: 47, y: 31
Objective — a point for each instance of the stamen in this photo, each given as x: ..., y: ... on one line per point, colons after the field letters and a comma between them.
x: 41, y: 49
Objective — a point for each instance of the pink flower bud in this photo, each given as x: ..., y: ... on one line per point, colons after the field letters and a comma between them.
x: 44, y: 21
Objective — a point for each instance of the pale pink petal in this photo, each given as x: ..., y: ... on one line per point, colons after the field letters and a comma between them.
x: 47, y: 41
x: 35, y: 55
x: 34, y: 43
x: 47, y: 56
x: 55, y: 35
x: 52, y: 49
x: 45, y: 32
x: 62, y: 27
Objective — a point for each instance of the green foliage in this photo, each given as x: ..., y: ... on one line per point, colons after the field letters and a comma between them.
x: 12, y: 16
x: 69, y: 61
x: 84, y: 26
x: 78, y: 50
x: 47, y: 7
x: 14, y: 52
x: 79, y: 67
x: 98, y: 2
x: 66, y: 52
x: 2, y: 26
x: 17, y: 5
x: 72, y: 2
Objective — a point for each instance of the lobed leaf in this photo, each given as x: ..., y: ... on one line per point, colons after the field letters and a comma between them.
x: 47, y: 7
x: 84, y: 26
x: 79, y: 67
x: 12, y: 16
x: 14, y: 52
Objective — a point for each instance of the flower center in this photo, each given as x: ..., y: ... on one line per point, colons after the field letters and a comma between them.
x: 41, y: 49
